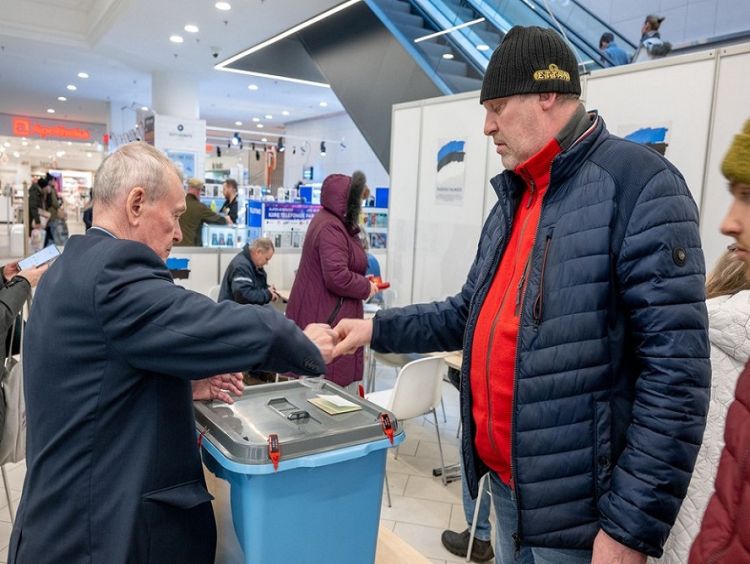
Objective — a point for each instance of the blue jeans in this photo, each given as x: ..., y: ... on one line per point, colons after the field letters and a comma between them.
x: 483, y: 530
x: 506, y: 524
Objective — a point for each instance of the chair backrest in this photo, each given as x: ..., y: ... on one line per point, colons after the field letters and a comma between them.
x: 389, y: 297
x: 418, y: 388
x: 213, y: 293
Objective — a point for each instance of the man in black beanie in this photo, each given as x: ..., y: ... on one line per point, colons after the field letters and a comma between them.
x: 585, y: 376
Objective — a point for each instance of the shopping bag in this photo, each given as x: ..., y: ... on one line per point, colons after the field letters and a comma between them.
x: 13, y: 435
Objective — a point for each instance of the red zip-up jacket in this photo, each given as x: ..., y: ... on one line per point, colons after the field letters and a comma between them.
x: 493, y: 349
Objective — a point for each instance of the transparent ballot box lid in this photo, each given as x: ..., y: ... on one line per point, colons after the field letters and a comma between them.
x: 306, y: 418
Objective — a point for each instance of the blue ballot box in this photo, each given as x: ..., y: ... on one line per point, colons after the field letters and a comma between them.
x: 312, y: 493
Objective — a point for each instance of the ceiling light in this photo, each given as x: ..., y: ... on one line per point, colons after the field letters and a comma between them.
x: 237, y: 123
x: 72, y: 87
x: 280, y: 145
x: 62, y: 99
x: 264, y: 139
x: 89, y: 155
x: 256, y: 120
x: 176, y: 38
x: 16, y: 154
x: 322, y: 148
x: 83, y: 75
x: 224, y: 6
x: 70, y: 143
x: 483, y: 47
x: 144, y: 108
x: 50, y: 110
x: 24, y: 143
x: 236, y: 138
x: 269, y: 116
x: 37, y: 147
x: 324, y: 104
x: 60, y: 153
x: 6, y: 144
x: 190, y: 28
x: 252, y: 87
x: 285, y: 113
x: 222, y: 67
x: 259, y: 125
x: 447, y: 56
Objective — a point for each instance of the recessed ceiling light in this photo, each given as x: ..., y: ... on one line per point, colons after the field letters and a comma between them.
x: 483, y: 47
x: 88, y: 155
x: 70, y: 143
x: 24, y: 143
x: 264, y: 139
x: 256, y: 120
x: 6, y: 144
x: 62, y: 98
x: 252, y: 87
x: 324, y: 104
x: 72, y: 87
x: 285, y: 113
x: 16, y: 154
x: 83, y: 75
x: 237, y: 123
x: 269, y: 116
x: 144, y: 108
x: 190, y: 28
x: 448, y: 56
x: 223, y: 6
x: 176, y: 38
x: 60, y: 153
x: 37, y: 147
x: 50, y: 110
x: 259, y: 125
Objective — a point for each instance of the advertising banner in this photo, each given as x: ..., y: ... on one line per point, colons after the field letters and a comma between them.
x: 449, y: 180
x: 51, y: 129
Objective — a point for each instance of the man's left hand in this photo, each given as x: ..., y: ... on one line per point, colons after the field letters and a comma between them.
x: 608, y: 551
x: 10, y: 270
x: 218, y: 387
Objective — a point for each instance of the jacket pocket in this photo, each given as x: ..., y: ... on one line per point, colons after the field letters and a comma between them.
x: 538, y: 308
x: 602, y: 448
x: 177, y: 526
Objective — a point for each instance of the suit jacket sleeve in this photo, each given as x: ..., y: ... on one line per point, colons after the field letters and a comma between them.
x: 156, y: 326
x: 334, y: 262
x: 661, y: 275
x: 246, y: 288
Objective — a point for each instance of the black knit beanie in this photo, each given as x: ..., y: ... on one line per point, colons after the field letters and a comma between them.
x: 528, y: 61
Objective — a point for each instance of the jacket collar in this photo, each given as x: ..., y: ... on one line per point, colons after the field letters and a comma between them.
x: 249, y: 257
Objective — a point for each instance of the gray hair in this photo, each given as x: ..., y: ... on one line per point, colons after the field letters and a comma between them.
x: 134, y: 164
x: 263, y: 244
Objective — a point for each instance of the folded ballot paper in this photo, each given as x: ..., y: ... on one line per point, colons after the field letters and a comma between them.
x: 333, y: 404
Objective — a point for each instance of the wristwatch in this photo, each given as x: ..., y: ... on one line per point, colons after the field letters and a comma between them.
x: 16, y: 280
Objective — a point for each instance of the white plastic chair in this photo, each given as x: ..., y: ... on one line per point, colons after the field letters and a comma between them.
x: 418, y: 391
x: 213, y: 293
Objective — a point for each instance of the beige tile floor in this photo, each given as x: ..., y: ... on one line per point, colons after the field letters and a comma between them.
x: 421, y: 506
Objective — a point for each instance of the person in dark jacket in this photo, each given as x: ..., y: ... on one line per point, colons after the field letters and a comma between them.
x: 245, y: 279
x: 724, y: 537
x: 36, y: 202
x: 230, y: 206
x: 14, y: 292
x: 330, y: 282
x: 651, y: 45
x: 196, y: 214
x: 585, y: 377
x: 113, y: 468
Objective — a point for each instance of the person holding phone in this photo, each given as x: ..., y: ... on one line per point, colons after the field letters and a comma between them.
x: 16, y: 289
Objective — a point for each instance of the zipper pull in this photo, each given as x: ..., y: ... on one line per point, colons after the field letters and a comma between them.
x: 532, y: 192
x: 521, y: 284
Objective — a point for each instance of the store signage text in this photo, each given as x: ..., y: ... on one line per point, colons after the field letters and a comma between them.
x: 290, y: 211
x: 25, y: 127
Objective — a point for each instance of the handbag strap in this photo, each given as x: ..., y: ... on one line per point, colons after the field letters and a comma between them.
x: 9, y: 353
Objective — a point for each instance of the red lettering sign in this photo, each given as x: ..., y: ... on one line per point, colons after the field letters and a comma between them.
x: 24, y: 127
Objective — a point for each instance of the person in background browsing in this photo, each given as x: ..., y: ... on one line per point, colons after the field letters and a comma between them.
x: 586, y: 374
x: 196, y: 214
x: 330, y: 283
x: 114, y: 470
x: 724, y: 536
x: 230, y: 205
x: 612, y: 54
x: 652, y: 46
x: 245, y: 279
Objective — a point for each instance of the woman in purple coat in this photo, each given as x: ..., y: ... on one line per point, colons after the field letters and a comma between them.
x: 330, y: 283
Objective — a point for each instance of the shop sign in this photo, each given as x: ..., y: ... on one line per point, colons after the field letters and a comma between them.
x: 286, y: 211
x: 54, y: 130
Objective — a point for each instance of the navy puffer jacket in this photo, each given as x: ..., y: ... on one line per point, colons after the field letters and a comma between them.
x: 612, y: 369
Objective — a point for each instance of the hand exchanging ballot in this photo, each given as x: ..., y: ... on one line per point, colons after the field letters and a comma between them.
x: 324, y: 338
x: 352, y: 334
x: 218, y: 387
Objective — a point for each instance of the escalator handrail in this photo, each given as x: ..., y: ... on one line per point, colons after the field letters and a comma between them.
x: 604, y: 24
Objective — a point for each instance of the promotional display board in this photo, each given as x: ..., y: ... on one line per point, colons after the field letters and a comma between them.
x: 184, y: 142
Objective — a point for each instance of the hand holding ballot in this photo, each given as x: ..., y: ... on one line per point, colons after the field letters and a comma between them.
x: 352, y: 334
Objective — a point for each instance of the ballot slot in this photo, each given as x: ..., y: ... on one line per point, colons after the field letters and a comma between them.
x: 288, y: 410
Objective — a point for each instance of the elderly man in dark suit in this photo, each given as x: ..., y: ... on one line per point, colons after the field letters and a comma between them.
x: 114, y: 473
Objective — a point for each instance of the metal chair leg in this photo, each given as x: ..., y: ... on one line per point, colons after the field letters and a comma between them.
x: 6, y: 485
x: 477, y: 502
x: 387, y: 489
x: 440, y: 447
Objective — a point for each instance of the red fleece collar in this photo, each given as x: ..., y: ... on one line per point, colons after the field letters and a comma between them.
x: 538, y: 166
